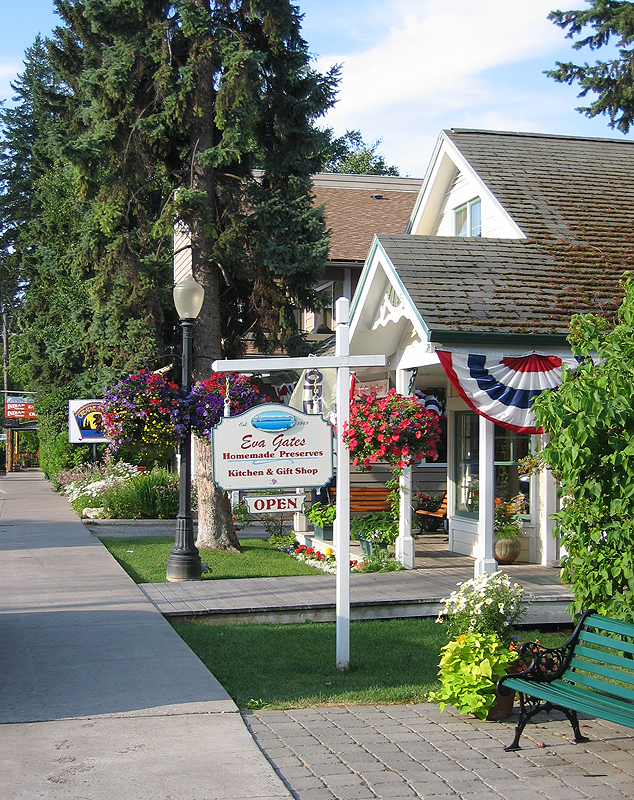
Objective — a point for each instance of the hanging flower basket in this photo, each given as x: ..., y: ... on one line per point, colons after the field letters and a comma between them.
x: 204, y: 407
x: 394, y: 430
x: 139, y: 414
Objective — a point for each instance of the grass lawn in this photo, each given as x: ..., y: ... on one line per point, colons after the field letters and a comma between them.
x: 145, y: 558
x: 293, y: 666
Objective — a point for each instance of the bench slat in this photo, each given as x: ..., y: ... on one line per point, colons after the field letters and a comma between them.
x: 563, y: 694
x: 439, y: 512
x: 606, y: 641
x: 607, y: 624
x: 626, y: 664
x: 589, y: 681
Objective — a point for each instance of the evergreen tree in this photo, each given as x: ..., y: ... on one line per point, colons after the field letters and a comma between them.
x: 177, y: 100
x: 351, y: 155
x: 612, y: 80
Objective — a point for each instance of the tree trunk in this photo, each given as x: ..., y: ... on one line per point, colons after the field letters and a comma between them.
x: 215, y: 524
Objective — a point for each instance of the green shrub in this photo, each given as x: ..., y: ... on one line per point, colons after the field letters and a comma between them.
x: 153, y: 495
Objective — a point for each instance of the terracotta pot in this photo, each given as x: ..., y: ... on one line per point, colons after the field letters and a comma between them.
x: 503, y: 706
x: 507, y: 550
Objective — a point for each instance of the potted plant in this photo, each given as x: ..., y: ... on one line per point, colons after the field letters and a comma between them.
x: 469, y: 669
x: 480, y: 618
x: 507, y: 528
x: 374, y: 531
x: 322, y: 516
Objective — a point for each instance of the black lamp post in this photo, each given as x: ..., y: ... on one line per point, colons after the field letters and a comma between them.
x: 183, y: 562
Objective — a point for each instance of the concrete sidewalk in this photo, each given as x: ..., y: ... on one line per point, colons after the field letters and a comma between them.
x: 99, y: 698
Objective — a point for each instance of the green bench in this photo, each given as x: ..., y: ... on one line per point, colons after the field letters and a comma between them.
x: 593, y: 673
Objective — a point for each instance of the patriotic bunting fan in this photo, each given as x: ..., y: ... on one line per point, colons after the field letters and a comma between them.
x: 502, y: 389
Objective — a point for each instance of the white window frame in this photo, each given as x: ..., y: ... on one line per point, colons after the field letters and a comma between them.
x: 468, y: 207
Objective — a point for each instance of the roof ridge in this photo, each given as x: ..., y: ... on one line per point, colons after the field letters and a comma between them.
x: 532, y: 135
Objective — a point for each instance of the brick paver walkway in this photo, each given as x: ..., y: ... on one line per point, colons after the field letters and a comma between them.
x: 391, y: 752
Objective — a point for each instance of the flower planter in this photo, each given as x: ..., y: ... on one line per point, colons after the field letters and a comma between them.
x: 503, y: 706
x: 325, y: 533
x: 367, y: 547
x: 506, y: 551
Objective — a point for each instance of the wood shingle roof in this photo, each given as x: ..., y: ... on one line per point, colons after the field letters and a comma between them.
x: 499, y: 285
x: 558, y: 187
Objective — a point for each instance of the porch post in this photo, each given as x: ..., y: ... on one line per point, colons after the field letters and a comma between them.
x: 547, y: 506
x: 485, y: 562
x: 342, y: 520
x: 405, y: 544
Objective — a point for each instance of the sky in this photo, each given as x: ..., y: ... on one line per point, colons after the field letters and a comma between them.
x: 410, y: 68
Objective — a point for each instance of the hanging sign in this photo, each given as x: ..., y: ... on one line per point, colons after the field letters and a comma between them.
x: 275, y: 504
x: 85, y: 422
x: 272, y: 447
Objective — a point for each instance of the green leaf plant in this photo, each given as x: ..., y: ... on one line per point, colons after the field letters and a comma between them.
x: 469, y: 669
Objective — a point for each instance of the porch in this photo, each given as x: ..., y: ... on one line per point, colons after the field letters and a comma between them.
x: 311, y: 598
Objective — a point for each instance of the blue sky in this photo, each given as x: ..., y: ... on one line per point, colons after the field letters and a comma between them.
x: 410, y: 67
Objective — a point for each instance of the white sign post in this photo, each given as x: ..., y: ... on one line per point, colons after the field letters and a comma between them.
x: 343, y: 363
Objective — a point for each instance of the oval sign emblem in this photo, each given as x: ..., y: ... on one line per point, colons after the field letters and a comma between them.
x: 273, y: 421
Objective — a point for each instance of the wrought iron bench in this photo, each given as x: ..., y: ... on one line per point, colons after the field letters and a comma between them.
x: 593, y: 673
x: 432, y: 520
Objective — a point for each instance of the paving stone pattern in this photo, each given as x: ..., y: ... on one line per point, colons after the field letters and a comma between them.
x: 393, y: 752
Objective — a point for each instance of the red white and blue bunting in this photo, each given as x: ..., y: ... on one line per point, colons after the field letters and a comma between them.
x: 503, y: 389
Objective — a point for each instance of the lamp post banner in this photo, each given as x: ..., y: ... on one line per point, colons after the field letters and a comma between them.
x: 272, y: 446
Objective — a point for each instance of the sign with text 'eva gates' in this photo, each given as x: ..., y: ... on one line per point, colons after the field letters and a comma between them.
x: 272, y: 447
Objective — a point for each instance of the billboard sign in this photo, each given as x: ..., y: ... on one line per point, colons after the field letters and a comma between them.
x: 85, y: 422
x: 18, y: 407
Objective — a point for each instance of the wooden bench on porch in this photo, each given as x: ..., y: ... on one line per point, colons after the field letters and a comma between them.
x: 366, y: 499
x: 593, y: 673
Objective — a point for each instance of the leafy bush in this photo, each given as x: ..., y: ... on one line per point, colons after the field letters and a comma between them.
x: 56, y: 453
x: 590, y: 420
x: 153, y: 495
x: 378, y: 528
x: 122, y: 491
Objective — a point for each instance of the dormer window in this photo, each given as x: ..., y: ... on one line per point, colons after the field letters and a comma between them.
x: 468, y: 218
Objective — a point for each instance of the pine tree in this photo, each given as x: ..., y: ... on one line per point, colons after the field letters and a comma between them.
x: 612, y: 80
x: 178, y: 101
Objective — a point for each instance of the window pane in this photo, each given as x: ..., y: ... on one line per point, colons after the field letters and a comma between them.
x: 509, y: 448
x: 466, y: 462
x: 461, y: 221
x: 476, y: 216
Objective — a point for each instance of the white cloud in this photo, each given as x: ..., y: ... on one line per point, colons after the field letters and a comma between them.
x: 435, y: 54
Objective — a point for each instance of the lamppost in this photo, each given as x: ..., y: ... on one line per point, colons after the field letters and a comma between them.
x: 183, y: 562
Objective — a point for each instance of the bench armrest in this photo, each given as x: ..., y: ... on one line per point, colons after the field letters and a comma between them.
x: 545, y: 664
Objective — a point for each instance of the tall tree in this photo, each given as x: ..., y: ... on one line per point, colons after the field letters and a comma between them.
x: 350, y: 154
x: 611, y: 80
x: 178, y: 99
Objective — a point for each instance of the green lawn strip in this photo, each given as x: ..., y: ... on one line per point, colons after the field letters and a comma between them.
x: 145, y: 559
x: 293, y: 666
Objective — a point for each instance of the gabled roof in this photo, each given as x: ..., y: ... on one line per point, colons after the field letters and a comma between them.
x: 558, y: 187
x: 358, y: 206
x: 500, y: 286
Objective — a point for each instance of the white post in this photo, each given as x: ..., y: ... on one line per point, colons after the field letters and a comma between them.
x: 405, y: 545
x: 342, y: 520
x: 547, y: 506
x: 485, y: 562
